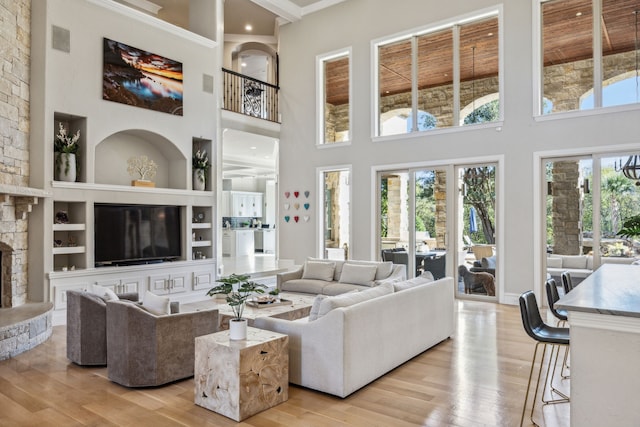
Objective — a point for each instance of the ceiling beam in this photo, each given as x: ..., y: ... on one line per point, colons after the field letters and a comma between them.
x: 282, y: 8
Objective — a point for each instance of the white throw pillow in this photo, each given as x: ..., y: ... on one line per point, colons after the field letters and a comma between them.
x: 426, y: 277
x: 318, y: 270
x: 383, y: 268
x: 315, y: 307
x: 351, y: 298
x: 156, y: 304
x: 104, y: 293
x: 358, y: 274
x: 338, y: 266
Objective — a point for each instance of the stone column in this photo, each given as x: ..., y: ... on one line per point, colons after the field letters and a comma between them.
x: 566, y: 208
x: 440, y: 194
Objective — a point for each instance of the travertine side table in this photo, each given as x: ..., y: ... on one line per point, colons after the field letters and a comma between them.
x: 238, y: 379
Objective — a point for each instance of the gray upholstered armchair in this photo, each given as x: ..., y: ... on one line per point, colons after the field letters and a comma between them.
x: 148, y: 350
x: 87, y: 327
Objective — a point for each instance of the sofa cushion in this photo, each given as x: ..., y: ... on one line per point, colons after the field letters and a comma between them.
x: 341, y: 288
x: 319, y: 270
x: 315, y: 307
x: 156, y: 304
x: 308, y: 286
x: 104, y: 293
x: 554, y: 262
x: 383, y: 269
x: 358, y: 274
x: 574, y: 261
x: 426, y: 277
x: 351, y: 298
x: 616, y: 260
x: 338, y: 266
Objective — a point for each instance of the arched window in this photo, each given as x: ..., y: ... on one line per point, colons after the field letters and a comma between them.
x: 400, y: 121
x: 619, y: 90
x: 482, y: 110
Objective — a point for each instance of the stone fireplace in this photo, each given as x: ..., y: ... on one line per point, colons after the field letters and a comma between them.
x: 15, y: 205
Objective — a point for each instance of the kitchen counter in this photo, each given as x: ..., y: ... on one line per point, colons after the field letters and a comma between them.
x: 604, y: 316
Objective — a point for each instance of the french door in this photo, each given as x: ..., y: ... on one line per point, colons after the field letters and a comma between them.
x: 420, y: 209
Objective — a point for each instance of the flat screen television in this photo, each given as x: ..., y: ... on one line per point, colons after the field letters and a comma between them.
x: 136, y: 234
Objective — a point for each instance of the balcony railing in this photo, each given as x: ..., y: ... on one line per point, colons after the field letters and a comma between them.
x: 245, y: 95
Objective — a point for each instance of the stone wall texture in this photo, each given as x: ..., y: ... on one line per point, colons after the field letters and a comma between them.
x: 566, y: 208
x: 15, y: 45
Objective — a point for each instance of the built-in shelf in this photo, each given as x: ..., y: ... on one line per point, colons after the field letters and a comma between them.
x: 200, y: 225
x: 200, y: 243
x: 69, y: 227
x: 65, y: 250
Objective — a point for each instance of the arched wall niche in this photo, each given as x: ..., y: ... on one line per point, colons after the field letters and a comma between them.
x: 256, y: 49
x: 112, y: 153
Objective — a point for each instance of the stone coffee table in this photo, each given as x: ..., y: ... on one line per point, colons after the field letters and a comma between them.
x: 300, y: 307
x: 240, y: 378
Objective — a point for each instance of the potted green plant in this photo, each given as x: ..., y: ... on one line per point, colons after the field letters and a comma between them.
x: 238, y: 288
x: 275, y: 293
x: 630, y: 227
x: 200, y: 165
x: 66, y: 147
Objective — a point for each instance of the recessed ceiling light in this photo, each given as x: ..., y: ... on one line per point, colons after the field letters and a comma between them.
x: 248, y: 27
x: 579, y: 14
x: 254, y: 148
x: 490, y: 34
x: 244, y: 64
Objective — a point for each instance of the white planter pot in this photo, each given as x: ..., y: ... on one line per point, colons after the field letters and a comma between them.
x: 199, y: 179
x: 65, y: 173
x: 238, y: 329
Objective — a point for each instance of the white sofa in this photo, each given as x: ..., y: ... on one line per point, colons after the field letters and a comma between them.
x: 353, y: 345
x: 578, y: 266
x: 323, y: 276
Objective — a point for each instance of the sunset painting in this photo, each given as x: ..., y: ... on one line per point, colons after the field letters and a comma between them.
x: 142, y: 79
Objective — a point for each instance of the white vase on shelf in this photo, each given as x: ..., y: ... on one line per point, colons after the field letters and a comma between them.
x: 199, y: 179
x: 66, y: 167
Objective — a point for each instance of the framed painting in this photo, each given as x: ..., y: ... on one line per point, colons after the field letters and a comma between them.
x: 143, y: 79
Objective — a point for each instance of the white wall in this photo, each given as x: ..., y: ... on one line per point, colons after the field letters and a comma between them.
x: 355, y: 23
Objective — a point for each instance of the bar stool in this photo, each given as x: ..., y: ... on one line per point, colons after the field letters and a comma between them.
x: 552, y: 297
x: 544, y: 335
x: 567, y: 284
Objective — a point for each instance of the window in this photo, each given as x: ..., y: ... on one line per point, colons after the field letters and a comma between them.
x: 334, y: 77
x: 427, y: 77
x: 335, y: 224
x: 589, y: 54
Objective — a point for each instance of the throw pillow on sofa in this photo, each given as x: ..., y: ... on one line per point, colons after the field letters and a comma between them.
x: 383, y: 268
x: 426, y: 277
x: 156, y: 304
x: 318, y: 270
x: 356, y: 274
x: 351, y: 298
x: 574, y: 261
x: 104, y: 293
x: 554, y: 262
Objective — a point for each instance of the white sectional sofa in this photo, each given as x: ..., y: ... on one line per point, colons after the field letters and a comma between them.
x: 579, y: 266
x: 348, y: 346
x: 330, y: 277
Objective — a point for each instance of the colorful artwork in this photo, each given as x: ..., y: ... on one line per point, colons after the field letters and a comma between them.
x: 135, y: 77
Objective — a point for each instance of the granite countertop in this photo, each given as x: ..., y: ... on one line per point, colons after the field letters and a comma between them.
x: 612, y: 289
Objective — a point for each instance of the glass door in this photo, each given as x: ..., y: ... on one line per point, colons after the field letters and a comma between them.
x: 476, y: 225
x: 413, y: 220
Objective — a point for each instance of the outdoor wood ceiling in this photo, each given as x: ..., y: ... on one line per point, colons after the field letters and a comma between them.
x: 567, y: 37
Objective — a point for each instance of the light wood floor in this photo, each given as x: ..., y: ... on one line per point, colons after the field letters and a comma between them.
x: 477, y: 378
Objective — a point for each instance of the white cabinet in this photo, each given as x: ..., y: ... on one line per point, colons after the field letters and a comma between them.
x: 269, y: 241
x: 121, y: 286
x: 242, y: 204
x: 238, y: 242
x: 168, y: 284
x: 244, y: 242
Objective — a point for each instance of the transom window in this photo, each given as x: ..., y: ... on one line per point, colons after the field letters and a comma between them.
x: 589, y: 54
x: 425, y: 78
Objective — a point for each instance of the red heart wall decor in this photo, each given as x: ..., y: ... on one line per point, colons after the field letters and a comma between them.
x: 296, y: 193
x: 296, y: 218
